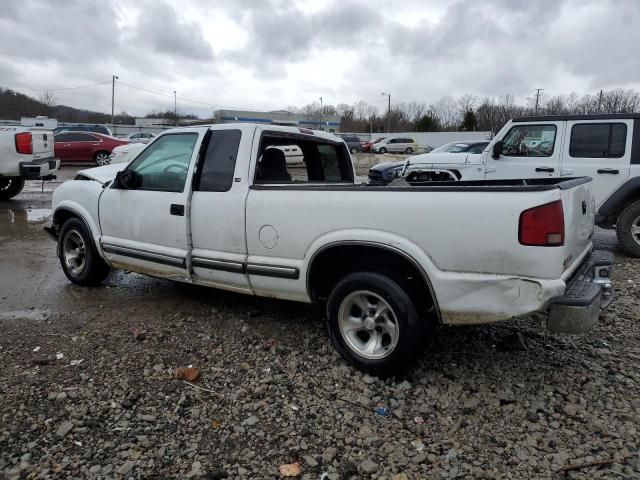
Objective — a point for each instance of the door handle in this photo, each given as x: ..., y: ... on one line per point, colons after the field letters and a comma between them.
x: 545, y: 169
x: 177, y: 210
x: 612, y: 171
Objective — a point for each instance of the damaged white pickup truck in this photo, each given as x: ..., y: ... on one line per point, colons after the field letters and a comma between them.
x: 219, y: 206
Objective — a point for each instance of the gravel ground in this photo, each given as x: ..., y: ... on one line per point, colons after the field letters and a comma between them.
x: 89, y: 388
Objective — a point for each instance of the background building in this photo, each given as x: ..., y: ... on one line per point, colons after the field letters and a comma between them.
x: 279, y: 117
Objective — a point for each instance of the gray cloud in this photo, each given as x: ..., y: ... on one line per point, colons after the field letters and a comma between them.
x: 273, y: 53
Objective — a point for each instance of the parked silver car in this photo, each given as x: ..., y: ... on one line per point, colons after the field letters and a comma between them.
x: 395, y: 145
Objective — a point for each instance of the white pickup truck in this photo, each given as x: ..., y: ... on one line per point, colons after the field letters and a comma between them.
x: 26, y: 153
x: 219, y: 206
x: 603, y: 147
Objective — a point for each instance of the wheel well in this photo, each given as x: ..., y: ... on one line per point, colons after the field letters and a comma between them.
x: 612, y: 217
x: 333, y: 263
x: 99, y: 152
x: 61, y: 216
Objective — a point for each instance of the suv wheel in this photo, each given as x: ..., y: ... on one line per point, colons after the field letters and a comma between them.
x: 628, y: 229
x: 373, y: 323
x: 383, y: 150
x: 78, y: 256
x: 10, y: 187
x: 409, y: 150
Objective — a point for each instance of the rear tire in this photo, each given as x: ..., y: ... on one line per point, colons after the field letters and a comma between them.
x: 408, y: 150
x: 102, y: 158
x: 354, y: 150
x: 10, y: 187
x: 373, y: 323
x: 383, y: 150
x: 78, y: 256
x: 628, y: 229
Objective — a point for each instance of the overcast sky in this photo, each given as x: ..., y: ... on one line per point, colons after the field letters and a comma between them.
x: 269, y: 54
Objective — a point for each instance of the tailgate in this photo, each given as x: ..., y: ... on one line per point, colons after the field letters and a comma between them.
x: 42, y: 141
x: 579, y: 214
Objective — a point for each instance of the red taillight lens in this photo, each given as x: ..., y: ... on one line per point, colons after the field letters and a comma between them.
x: 24, y: 143
x: 542, y: 226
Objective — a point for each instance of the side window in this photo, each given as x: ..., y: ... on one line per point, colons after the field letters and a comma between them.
x: 219, y: 163
x: 305, y: 161
x: 598, y: 140
x: 476, y: 149
x: 62, y: 137
x: 164, y: 165
x: 530, y: 141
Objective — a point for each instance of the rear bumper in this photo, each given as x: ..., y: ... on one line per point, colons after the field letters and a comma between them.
x: 589, y: 291
x: 42, y: 168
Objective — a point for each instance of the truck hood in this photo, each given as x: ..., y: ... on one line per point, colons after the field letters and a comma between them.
x: 102, y: 174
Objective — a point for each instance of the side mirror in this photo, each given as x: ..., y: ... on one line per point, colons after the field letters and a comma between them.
x: 127, y: 180
x: 498, y: 148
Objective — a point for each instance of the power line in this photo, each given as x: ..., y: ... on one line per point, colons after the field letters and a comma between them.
x: 60, y: 89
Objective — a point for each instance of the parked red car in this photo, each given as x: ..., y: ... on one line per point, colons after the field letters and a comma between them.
x: 366, y: 146
x: 85, y: 147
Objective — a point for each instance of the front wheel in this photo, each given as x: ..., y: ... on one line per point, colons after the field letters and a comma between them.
x: 628, y: 229
x: 354, y: 150
x: 383, y: 150
x: 78, y: 256
x: 10, y: 187
x: 373, y: 323
x: 102, y: 158
x: 408, y: 150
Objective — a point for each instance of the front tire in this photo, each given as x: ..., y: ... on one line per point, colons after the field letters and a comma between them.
x: 408, y: 150
x: 10, y: 187
x: 354, y: 150
x: 78, y: 256
x: 373, y: 323
x: 628, y: 229
x: 102, y: 158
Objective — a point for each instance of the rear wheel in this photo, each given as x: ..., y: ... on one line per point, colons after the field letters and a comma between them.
x: 102, y: 158
x: 354, y: 150
x: 383, y: 150
x: 628, y: 229
x: 10, y: 187
x: 409, y: 150
x: 78, y: 256
x: 373, y: 323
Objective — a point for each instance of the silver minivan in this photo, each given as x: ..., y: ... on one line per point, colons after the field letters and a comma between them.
x: 395, y: 145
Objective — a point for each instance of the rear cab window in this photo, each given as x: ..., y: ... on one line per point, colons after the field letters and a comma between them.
x: 301, y: 159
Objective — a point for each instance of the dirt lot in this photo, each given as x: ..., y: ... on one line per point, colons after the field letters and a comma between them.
x: 88, y: 387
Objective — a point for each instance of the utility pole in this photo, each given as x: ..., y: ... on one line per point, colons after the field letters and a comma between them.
x: 388, y: 112
x: 600, y: 102
x: 113, y: 95
x: 321, y: 104
x: 538, y: 90
x: 175, y: 107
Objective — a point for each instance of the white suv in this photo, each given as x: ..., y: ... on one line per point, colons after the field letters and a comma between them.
x: 395, y: 145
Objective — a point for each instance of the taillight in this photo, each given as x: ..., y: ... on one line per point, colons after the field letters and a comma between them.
x: 24, y: 143
x: 542, y: 226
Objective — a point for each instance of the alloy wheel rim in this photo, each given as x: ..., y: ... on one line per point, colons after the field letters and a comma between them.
x: 102, y: 159
x: 635, y: 230
x: 368, y: 324
x: 74, y: 252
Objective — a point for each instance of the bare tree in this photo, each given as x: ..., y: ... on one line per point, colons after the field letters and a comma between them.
x: 48, y: 99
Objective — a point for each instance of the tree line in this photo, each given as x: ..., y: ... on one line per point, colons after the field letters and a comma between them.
x: 465, y: 113
x: 469, y: 112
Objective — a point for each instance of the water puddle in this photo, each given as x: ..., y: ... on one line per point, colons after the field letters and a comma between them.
x: 27, y: 315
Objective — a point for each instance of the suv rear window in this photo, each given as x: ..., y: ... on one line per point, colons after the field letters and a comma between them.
x: 598, y: 140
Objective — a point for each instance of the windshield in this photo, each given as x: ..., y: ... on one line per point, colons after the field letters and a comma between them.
x: 454, y: 147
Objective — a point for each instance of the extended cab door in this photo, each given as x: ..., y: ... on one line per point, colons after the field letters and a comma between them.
x: 600, y: 150
x: 531, y: 150
x: 220, y: 189
x: 145, y: 229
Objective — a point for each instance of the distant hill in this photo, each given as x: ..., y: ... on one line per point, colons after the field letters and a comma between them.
x: 14, y: 105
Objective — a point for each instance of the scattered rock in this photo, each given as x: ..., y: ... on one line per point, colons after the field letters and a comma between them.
x: 368, y: 466
x: 187, y: 373
x: 64, y: 428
